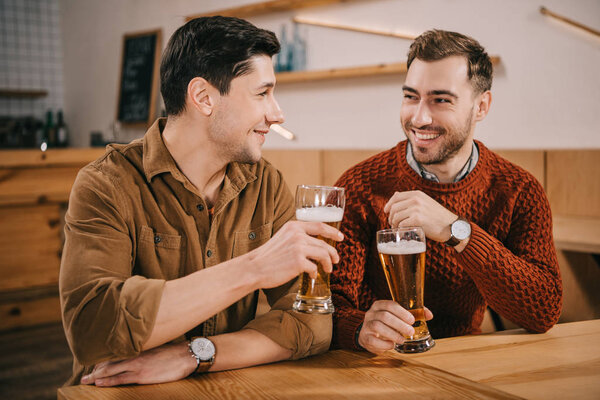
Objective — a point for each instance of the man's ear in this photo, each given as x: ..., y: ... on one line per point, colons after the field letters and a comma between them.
x: 200, y: 96
x: 482, y: 106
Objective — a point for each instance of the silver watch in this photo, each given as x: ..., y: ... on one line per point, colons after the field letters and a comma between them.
x: 204, y: 351
x: 459, y: 231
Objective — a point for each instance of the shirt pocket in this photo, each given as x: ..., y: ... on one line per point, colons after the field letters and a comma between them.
x: 246, y: 241
x: 160, y: 255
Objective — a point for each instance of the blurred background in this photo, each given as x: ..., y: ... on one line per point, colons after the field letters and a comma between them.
x: 77, y: 74
x: 546, y: 88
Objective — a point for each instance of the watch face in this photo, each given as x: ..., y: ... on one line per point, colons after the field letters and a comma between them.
x: 203, y: 348
x: 461, y: 229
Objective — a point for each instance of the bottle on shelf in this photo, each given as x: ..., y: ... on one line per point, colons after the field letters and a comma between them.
x: 49, y: 133
x: 298, y: 53
x: 62, y: 131
x: 283, y: 58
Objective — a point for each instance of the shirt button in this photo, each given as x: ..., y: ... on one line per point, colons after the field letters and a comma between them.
x: 252, y: 236
x: 157, y: 239
x: 200, y: 207
x: 208, y: 253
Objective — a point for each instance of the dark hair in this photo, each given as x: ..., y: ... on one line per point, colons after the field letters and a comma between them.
x: 436, y: 44
x: 217, y: 49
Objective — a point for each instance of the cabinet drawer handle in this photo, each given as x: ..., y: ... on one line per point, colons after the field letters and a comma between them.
x: 15, y: 311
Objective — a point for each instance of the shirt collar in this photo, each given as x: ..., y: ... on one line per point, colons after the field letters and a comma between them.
x: 157, y: 158
x: 418, y: 168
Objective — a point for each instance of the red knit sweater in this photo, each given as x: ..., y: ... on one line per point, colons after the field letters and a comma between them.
x: 509, y: 263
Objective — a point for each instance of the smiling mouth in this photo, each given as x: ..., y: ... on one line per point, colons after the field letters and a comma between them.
x: 426, y: 136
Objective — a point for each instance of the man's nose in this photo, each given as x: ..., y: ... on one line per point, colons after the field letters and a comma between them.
x: 422, y: 116
x: 275, y: 114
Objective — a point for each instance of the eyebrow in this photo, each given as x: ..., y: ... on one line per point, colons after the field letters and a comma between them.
x: 431, y: 92
x: 265, y: 85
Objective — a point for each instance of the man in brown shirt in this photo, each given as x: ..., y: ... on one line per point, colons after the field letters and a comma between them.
x: 171, y: 236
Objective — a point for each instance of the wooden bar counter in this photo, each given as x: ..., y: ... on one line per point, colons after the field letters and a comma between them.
x: 562, y: 363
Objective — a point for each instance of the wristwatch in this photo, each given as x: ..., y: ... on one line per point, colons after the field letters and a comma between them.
x: 459, y: 231
x: 204, y: 351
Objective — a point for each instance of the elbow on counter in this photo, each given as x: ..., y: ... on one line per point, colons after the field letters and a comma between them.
x: 314, y: 335
x: 93, y: 340
x: 97, y: 328
x: 547, y: 314
x: 321, y: 327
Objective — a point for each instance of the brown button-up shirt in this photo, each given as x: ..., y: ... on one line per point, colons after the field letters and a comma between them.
x: 135, y: 221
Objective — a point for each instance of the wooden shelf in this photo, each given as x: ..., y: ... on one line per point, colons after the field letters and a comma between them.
x: 577, y: 234
x: 352, y: 72
x: 266, y: 7
x: 23, y: 94
x: 272, y: 6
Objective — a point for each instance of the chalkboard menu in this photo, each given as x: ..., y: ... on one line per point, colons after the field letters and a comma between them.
x: 139, y: 78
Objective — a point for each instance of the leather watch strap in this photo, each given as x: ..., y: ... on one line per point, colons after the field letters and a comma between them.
x: 452, y: 241
x: 203, y: 366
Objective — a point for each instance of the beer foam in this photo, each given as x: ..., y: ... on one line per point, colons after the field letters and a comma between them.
x: 401, y: 247
x: 320, y: 214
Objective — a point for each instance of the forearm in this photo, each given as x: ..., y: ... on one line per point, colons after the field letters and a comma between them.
x: 191, y: 300
x: 246, y: 348
x: 528, y: 293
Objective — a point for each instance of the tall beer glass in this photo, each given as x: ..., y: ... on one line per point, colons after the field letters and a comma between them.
x: 402, y: 255
x: 321, y: 204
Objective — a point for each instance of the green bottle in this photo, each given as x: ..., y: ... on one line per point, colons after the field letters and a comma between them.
x: 49, y: 135
x: 62, y: 132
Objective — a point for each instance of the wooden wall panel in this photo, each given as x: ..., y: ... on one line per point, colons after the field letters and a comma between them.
x: 336, y: 162
x: 24, y: 313
x: 530, y: 160
x: 581, y: 286
x: 51, y: 157
x: 30, y: 246
x: 299, y: 167
x: 574, y: 182
x: 36, y: 185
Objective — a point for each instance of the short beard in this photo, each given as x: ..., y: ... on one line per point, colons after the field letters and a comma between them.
x: 454, y: 142
x: 228, y: 151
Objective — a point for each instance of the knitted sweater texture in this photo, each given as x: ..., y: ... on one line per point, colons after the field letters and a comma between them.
x: 509, y: 263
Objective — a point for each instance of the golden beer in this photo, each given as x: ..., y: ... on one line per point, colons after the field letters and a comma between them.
x: 318, y: 204
x: 403, y: 260
x: 317, y: 288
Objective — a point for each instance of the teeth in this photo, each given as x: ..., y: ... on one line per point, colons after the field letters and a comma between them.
x: 426, y: 136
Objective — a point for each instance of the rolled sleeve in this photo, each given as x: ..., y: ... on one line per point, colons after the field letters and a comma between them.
x: 136, y: 313
x: 303, y: 334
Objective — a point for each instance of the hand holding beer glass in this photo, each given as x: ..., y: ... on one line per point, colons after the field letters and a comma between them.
x: 402, y: 255
x: 321, y: 204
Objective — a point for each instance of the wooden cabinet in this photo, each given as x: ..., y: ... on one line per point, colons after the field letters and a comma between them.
x: 34, y: 191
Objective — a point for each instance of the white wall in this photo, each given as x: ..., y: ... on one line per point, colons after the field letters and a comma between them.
x: 546, y: 89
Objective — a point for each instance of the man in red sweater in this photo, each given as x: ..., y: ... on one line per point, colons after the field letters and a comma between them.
x: 487, y: 221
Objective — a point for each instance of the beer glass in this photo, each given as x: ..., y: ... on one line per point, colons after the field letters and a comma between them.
x: 402, y: 255
x: 321, y: 204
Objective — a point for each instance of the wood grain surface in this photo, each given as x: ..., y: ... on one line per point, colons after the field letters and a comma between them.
x: 573, y: 182
x: 563, y: 363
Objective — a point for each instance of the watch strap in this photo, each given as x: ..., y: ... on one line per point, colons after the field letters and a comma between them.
x: 452, y: 241
x: 203, y: 366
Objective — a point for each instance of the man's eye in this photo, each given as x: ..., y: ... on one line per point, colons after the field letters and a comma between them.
x: 442, y: 101
x: 263, y: 93
x: 409, y: 96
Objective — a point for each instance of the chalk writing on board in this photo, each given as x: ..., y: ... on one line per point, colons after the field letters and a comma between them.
x: 137, y: 77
